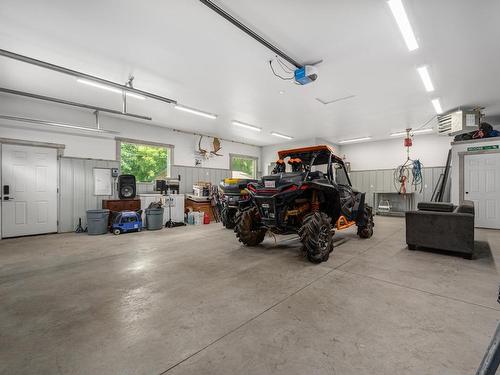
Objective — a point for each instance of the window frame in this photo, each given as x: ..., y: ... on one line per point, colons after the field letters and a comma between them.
x: 170, y: 148
x: 241, y: 156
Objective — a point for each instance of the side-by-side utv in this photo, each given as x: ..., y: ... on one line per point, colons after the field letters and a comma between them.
x: 231, y: 192
x: 312, y: 199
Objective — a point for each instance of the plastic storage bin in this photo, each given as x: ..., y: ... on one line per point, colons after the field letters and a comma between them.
x: 97, y: 221
x: 154, y: 218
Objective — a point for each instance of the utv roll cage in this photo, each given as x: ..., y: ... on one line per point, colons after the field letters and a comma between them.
x: 316, y: 155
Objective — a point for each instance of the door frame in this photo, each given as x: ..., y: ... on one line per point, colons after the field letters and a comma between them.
x: 20, y: 142
x: 461, y: 173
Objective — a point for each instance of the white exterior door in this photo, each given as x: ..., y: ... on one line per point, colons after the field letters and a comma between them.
x: 482, y: 186
x: 29, y: 190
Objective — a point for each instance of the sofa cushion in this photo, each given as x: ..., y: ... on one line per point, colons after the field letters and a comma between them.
x: 436, y: 206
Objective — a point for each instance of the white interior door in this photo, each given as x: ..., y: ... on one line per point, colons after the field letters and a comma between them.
x: 482, y: 186
x: 29, y: 190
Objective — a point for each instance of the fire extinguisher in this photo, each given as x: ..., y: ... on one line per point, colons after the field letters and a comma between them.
x: 206, y: 218
x: 408, y: 142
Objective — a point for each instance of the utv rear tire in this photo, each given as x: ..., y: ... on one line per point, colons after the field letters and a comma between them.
x: 366, y: 230
x: 227, y: 218
x: 247, y: 227
x: 316, y: 235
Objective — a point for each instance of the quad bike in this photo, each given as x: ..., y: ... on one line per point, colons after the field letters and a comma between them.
x: 306, y: 201
x: 231, y: 191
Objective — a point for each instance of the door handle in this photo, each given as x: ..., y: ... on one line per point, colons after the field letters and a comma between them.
x: 466, y: 192
x: 6, y: 191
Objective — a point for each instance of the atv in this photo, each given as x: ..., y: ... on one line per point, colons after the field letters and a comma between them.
x: 312, y: 199
x: 231, y: 191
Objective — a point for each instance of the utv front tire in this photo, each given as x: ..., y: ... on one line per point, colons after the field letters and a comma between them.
x: 316, y: 235
x: 227, y: 218
x: 247, y: 227
x: 366, y: 230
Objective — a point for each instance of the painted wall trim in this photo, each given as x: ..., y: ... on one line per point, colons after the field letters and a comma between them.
x: 139, y: 141
x: 194, y: 167
x: 31, y: 143
x: 478, y: 140
x: 77, y: 158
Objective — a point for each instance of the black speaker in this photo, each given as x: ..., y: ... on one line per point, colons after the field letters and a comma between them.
x: 126, y: 186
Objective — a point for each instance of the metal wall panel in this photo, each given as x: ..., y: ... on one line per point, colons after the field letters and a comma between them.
x: 382, y: 181
x: 76, y: 190
x: 191, y: 175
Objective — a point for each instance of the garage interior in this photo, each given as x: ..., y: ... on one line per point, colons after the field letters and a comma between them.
x: 190, y: 187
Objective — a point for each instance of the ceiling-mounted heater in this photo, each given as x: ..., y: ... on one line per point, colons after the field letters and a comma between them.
x: 460, y: 121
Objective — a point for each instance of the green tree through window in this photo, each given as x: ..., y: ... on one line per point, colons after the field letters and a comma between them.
x: 243, y: 167
x: 145, y: 162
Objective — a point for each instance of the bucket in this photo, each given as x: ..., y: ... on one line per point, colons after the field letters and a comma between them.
x: 154, y: 218
x: 97, y: 221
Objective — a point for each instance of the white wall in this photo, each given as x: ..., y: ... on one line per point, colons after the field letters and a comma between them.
x: 79, y: 144
x: 431, y: 150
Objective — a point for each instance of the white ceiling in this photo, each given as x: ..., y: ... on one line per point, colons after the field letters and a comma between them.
x: 183, y: 50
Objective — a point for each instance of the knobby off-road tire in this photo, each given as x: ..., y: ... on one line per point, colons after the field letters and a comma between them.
x: 247, y: 227
x: 316, y: 235
x: 366, y: 230
x: 227, y: 218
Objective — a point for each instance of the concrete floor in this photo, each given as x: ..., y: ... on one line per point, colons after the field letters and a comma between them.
x: 193, y: 301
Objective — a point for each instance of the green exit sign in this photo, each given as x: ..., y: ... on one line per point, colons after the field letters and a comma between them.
x: 482, y: 148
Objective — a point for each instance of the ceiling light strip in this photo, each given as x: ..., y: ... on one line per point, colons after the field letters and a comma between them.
x: 78, y: 74
x: 70, y: 103
x: 109, y: 88
x: 437, y: 106
x: 284, y: 136
x: 195, y: 111
x: 56, y: 124
x: 403, y: 133
x: 399, y: 13
x: 426, y: 78
x: 246, y: 126
x: 355, y: 140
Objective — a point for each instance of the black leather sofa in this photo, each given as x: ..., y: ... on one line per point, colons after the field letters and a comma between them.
x: 442, y: 226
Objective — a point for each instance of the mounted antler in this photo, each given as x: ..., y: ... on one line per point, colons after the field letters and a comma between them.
x: 201, y: 151
x: 217, y: 147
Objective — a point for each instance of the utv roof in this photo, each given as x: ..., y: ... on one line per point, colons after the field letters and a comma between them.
x: 306, y: 154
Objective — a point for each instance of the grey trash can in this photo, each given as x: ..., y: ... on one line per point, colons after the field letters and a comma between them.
x: 97, y: 221
x: 154, y: 218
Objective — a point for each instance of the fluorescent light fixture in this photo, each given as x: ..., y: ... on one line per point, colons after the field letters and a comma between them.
x: 355, y: 140
x: 426, y: 78
x: 281, y: 135
x: 195, y: 111
x: 398, y: 134
x: 437, y: 106
x: 399, y: 13
x: 56, y: 124
x: 109, y: 88
x: 246, y: 126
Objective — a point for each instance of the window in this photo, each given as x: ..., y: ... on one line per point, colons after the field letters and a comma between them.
x: 146, y: 162
x: 341, y: 177
x: 243, y: 166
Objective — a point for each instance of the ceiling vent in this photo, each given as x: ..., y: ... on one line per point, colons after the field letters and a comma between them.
x: 460, y: 121
x: 326, y: 102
